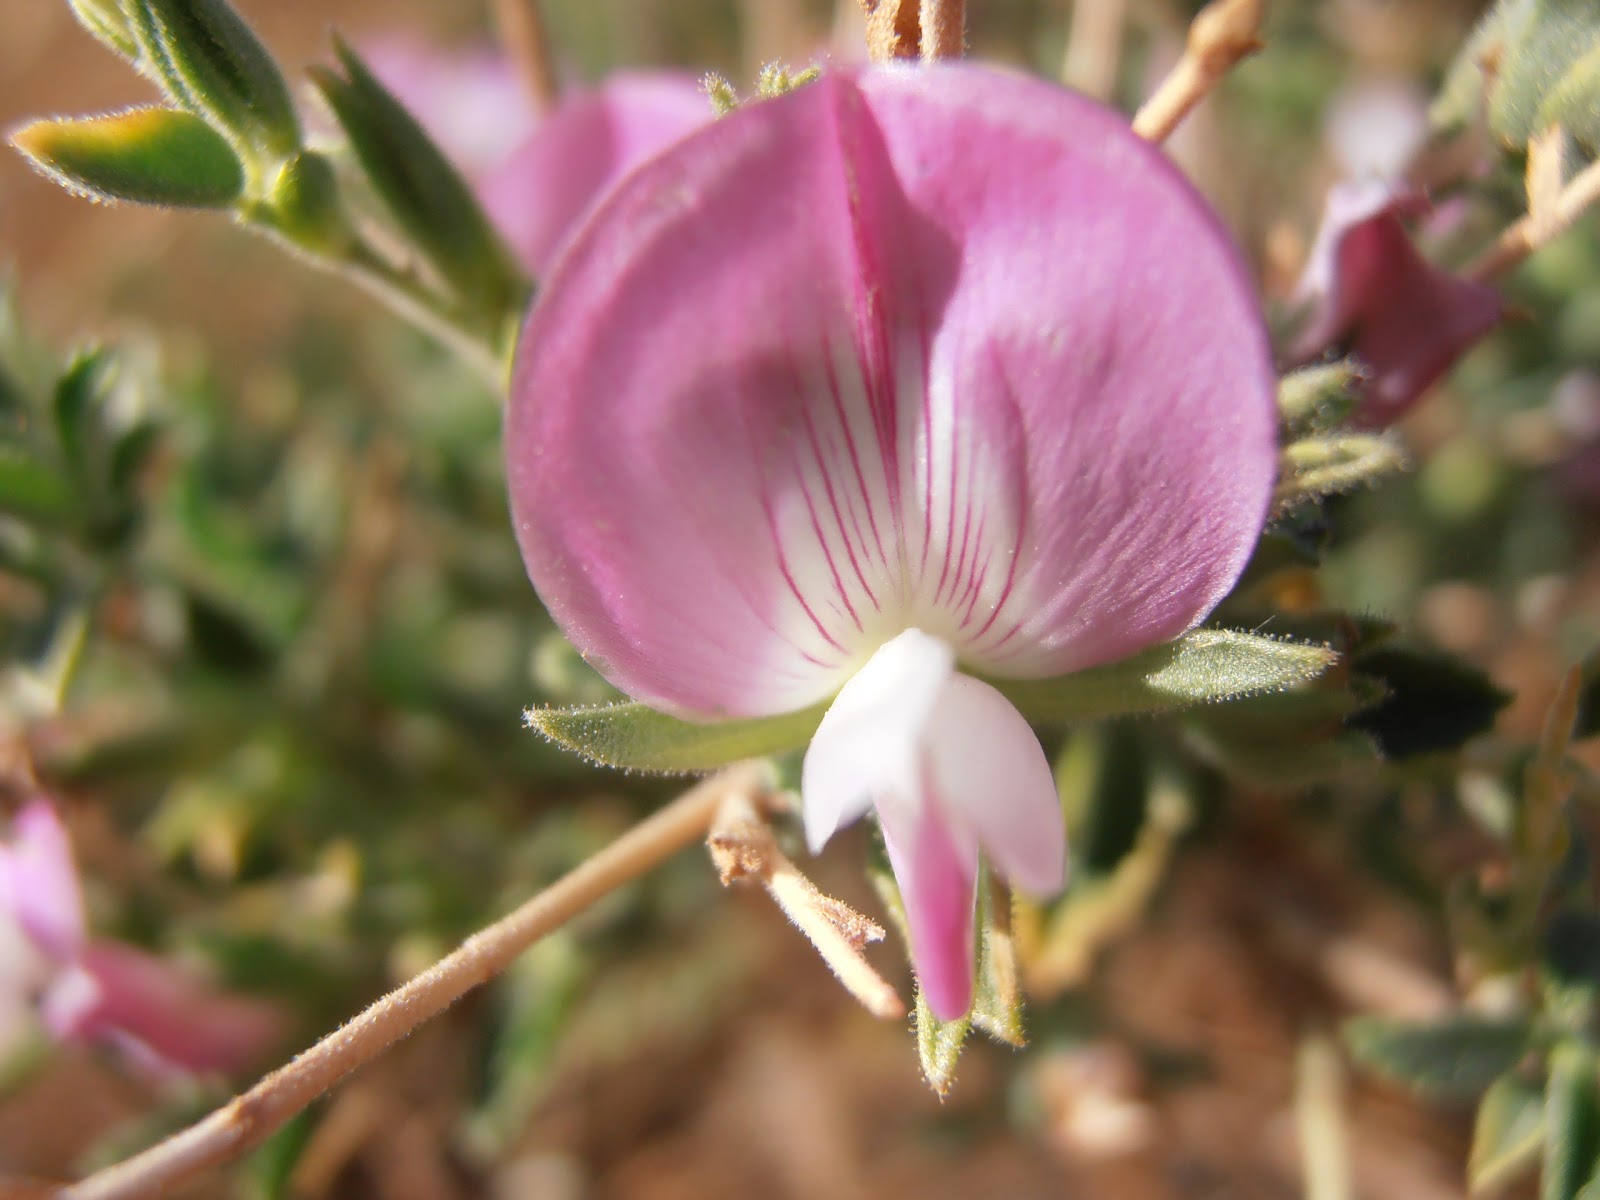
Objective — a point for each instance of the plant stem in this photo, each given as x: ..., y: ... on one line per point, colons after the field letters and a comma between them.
x: 526, y: 40
x: 944, y: 29
x: 1538, y: 229
x: 1224, y: 32
x: 248, y: 1119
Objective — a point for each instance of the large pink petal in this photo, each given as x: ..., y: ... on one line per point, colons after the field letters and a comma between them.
x: 539, y: 193
x: 941, y: 348
x: 1103, y: 354
x: 39, y: 883
x: 937, y: 872
x: 993, y: 779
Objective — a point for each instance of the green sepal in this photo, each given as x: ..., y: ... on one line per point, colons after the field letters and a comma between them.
x: 1319, y: 398
x: 210, y: 61
x: 155, y: 156
x: 426, y: 196
x: 1205, y: 666
x: 636, y: 737
x: 1332, y: 464
x: 1572, y: 1124
x: 938, y: 1042
x: 107, y: 21
x: 1507, y: 1133
x: 1455, y: 1058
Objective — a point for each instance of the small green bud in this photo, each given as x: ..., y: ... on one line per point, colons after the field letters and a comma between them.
x: 210, y: 62
x: 1326, y: 466
x: 146, y: 155
x: 1320, y: 398
x: 303, y: 205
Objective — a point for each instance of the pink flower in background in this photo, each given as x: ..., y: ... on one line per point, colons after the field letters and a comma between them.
x: 106, y: 992
x: 907, y: 376
x: 1370, y: 290
x: 538, y: 174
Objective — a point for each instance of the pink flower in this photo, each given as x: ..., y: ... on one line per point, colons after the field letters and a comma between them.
x: 538, y: 174
x: 106, y: 991
x: 1370, y: 290
x: 905, y: 377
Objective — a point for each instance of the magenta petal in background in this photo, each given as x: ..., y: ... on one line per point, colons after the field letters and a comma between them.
x: 1406, y: 320
x: 539, y: 193
x: 122, y: 995
x: 943, y: 348
x: 39, y: 883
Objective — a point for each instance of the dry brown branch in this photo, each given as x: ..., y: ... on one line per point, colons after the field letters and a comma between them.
x: 894, y: 29
x: 1224, y: 33
x: 249, y: 1118
x: 744, y: 850
x: 527, y: 42
x: 944, y: 29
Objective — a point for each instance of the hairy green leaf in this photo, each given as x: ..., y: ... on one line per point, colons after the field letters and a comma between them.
x: 146, y: 156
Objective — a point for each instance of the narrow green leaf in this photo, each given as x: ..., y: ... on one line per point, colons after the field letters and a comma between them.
x: 146, y: 156
x: 424, y: 193
x: 213, y: 64
x: 77, y: 394
x: 640, y: 738
x: 106, y: 20
x: 1202, y: 667
x: 1572, y: 1122
x: 1507, y: 1133
x: 1456, y: 1058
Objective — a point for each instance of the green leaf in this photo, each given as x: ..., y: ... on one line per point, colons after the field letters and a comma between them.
x: 1572, y: 1123
x: 1202, y: 666
x: 78, y: 394
x: 146, y: 156
x: 640, y: 738
x: 1461, y: 99
x: 1457, y: 1058
x: 1507, y: 1133
x: 424, y: 193
x: 106, y: 20
x: 1544, y: 40
x: 30, y: 488
x: 1432, y: 702
x: 211, y: 63
x: 1574, y: 103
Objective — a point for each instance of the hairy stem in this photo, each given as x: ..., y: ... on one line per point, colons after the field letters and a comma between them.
x: 248, y: 1119
x: 944, y: 29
